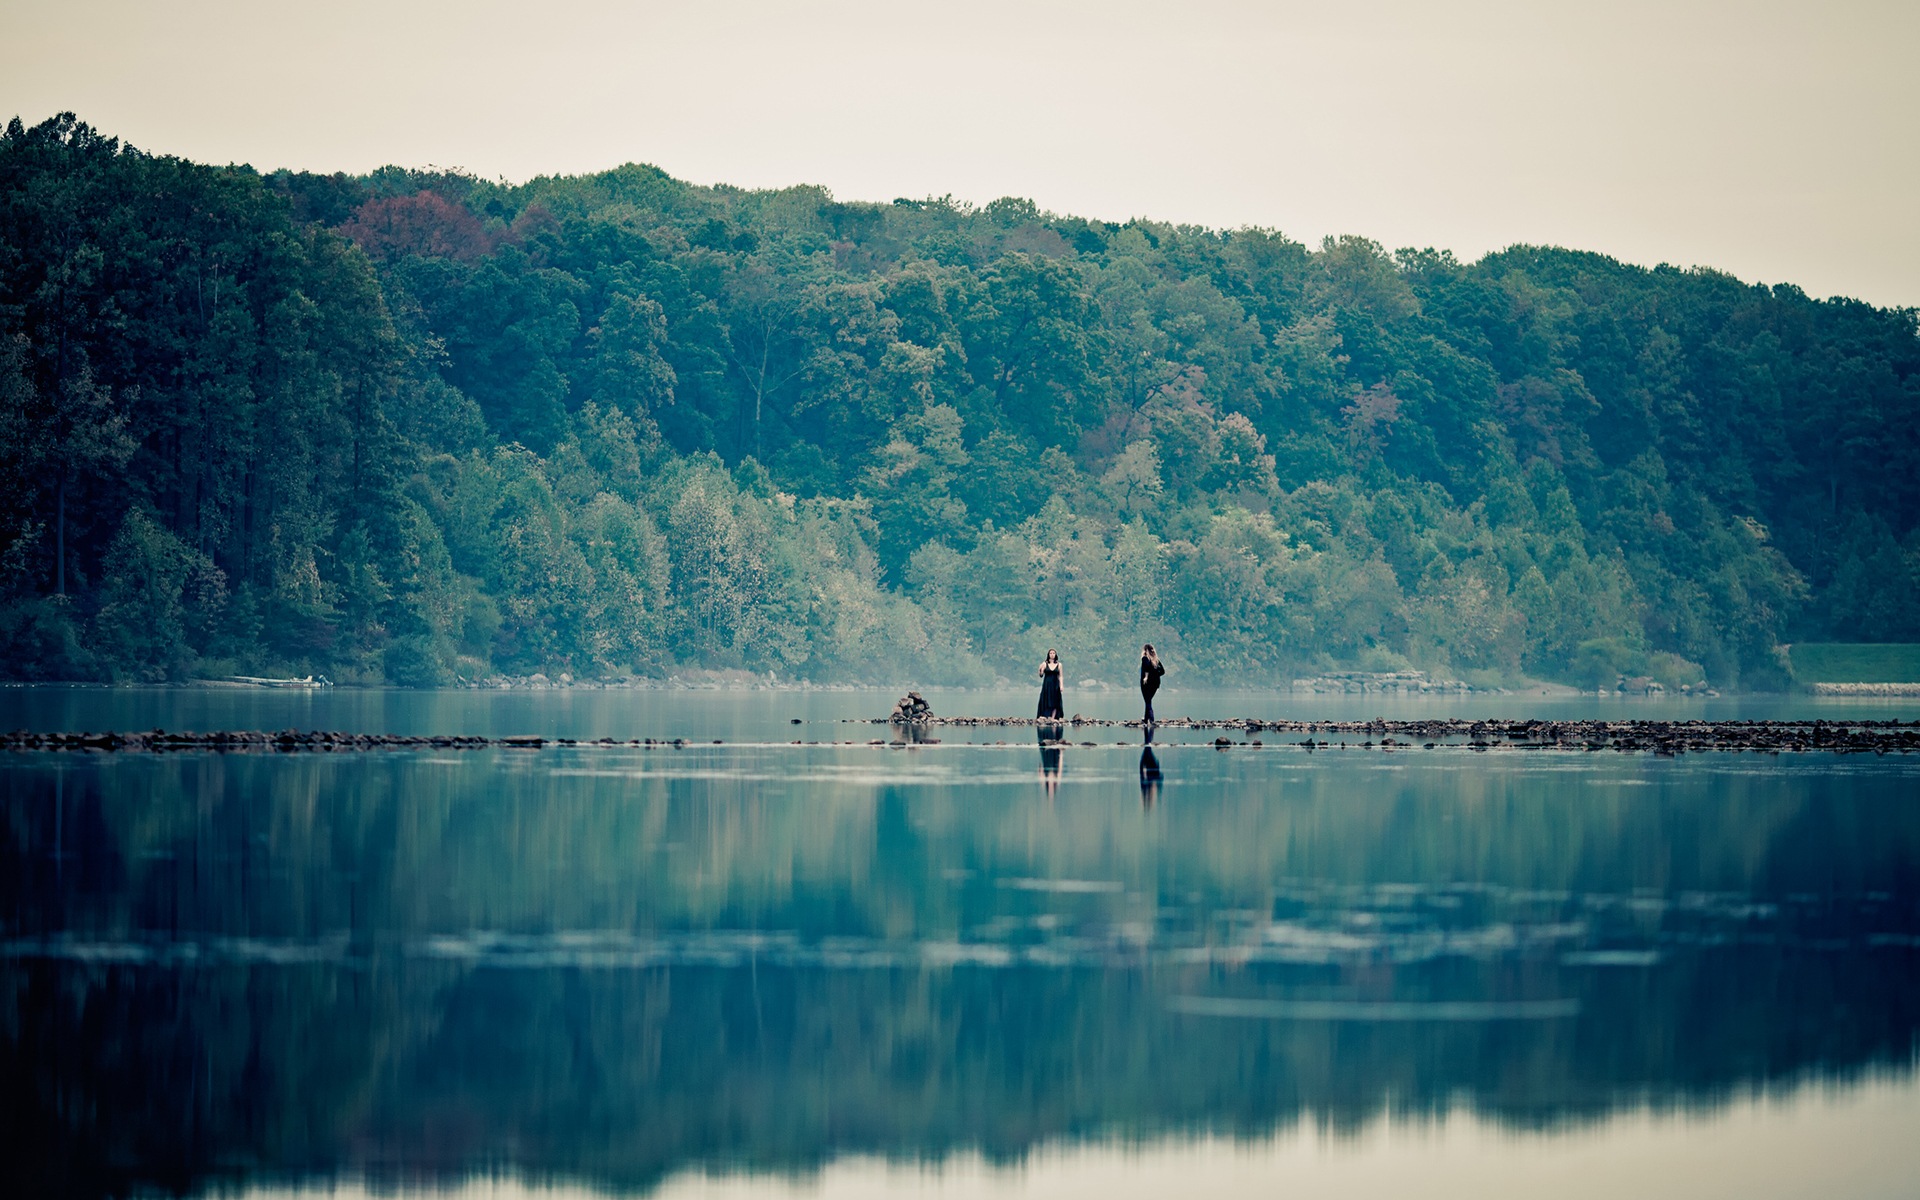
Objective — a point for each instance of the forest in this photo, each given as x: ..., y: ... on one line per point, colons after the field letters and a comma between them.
x: 421, y: 428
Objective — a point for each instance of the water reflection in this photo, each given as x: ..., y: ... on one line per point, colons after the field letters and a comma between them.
x: 615, y: 967
x: 1150, y: 777
x: 1052, y: 739
x: 914, y: 733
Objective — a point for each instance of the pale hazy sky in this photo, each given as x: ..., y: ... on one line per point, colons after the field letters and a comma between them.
x: 1773, y: 140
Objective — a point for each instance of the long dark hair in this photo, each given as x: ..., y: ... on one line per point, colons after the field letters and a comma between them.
x: 1052, y: 655
x: 1151, y: 656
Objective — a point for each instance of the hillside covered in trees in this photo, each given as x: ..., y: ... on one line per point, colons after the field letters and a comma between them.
x: 419, y: 427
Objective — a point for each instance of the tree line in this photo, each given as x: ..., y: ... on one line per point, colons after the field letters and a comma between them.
x: 419, y: 427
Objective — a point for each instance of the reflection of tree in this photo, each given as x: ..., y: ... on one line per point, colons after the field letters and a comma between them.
x: 380, y: 1055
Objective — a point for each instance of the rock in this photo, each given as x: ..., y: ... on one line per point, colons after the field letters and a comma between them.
x: 909, y: 708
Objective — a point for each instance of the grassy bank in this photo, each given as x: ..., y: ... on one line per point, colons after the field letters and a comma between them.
x: 1856, y: 662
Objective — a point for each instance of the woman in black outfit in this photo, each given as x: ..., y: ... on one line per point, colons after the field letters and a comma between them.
x: 1150, y: 673
x: 1052, y: 702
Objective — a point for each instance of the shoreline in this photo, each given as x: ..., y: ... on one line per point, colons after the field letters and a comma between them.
x: 1661, y: 738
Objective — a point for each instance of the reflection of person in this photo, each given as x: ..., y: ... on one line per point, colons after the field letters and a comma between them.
x: 1050, y: 757
x: 1150, y: 672
x: 1052, y: 701
x: 1149, y: 772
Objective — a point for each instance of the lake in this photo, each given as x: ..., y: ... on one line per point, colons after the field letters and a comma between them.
x: 787, y: 964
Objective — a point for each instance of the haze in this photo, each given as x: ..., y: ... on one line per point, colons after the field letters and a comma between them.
x: 1770, y: 140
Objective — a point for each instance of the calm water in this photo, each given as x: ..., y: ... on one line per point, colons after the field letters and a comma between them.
x: 966, y: 968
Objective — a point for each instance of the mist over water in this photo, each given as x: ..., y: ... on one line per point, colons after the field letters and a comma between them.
x: 728, y: 967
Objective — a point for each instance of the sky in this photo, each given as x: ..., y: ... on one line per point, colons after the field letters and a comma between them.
x: 1772, y: 140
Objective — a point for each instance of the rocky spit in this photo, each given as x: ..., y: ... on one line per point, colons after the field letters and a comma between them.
x: 1663, y: 738
x: 1659, y: 737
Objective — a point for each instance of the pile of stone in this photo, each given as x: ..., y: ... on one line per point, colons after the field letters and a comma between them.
x: 911, y: 707
x: 1373, y: 682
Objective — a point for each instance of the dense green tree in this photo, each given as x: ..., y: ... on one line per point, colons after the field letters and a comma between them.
x: 416, y: 426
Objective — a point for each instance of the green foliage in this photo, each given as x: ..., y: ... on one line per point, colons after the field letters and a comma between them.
x: 1831, y: 662
x: 40, y: 640
x: 421, y: 427
x: 154, y: 587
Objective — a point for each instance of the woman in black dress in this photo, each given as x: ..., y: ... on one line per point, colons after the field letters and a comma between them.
x: 1052, y: 702
x: 1150, y: 672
